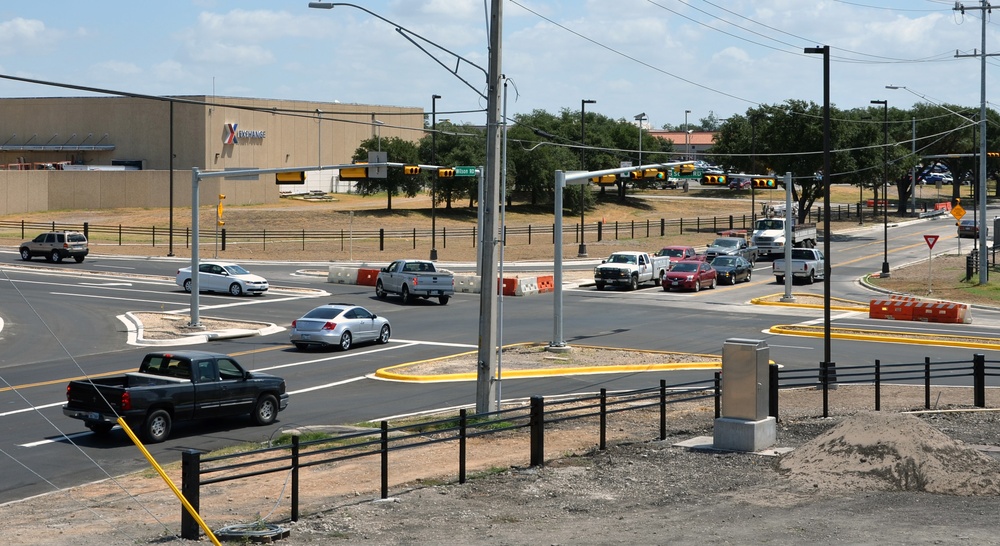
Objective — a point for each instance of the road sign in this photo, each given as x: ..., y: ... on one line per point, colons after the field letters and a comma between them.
x: 931, y: 239
x: 465, y: 171
x: 958, y: 212
x: 381, y: 171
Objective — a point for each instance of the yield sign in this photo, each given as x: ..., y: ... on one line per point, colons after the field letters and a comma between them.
x: 931, y: 239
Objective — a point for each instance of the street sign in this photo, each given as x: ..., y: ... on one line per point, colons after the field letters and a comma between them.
x: 381, y: 171
x: 958, y: 212
x: 465, y: 171
x: 931, y: 239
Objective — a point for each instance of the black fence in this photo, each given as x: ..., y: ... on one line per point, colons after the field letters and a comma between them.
x: 530, y: 234
x: 198, y: 471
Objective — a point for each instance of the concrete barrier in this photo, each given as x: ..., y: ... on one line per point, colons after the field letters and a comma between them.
x: 526, y: 286
x: 468, y: 284
x: 342, y: 275
x: 367, y: 277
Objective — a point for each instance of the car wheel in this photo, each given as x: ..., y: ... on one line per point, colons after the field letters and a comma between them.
x: 265, y: 411
x: 697, y: 285
x: 383, y: 335
x: 666, y: 288
x: 444, y: 300
x: 345, y: 341
x: 379, y: 290
x: 55, y: 257
x: 712, y: 286
x: 79, y: 259
x: 405, y: 295
x: 599, y: 286
x: 157, y: 427
x: 634, y: 283
x: 187, y: 285
x: 749, y: 274
x: 780, y: 279
x: 235, y: 289
x: 100, y: 428
x: 25, y: 254
x: 811, y: 278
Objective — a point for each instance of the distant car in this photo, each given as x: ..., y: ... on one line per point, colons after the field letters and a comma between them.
x: 968, y: 227
x: 338, y: 325
x: 732, y: 269
x: 55, y: 246
x: 223, y: 277
x: 690, y: 275
x: 678, y: 253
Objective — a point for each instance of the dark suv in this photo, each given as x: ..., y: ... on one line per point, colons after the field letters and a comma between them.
x: 56, y: 245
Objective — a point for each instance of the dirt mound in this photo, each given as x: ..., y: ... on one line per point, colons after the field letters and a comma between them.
x: 892, y: 452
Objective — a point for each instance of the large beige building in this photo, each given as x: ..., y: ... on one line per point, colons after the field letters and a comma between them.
x: 109, y: 152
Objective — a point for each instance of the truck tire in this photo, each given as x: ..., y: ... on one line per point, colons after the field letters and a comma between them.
x: 663, y: 276
x: 599, y: 286
x: 634, y: 283
x: 444, y: 299
x: 811, y: 278
x: 379, y: 290
x: 100, y: 428
x: 405, y: 294
x: 780, y: 279
x: 265, y: 411
x: 156, y: 428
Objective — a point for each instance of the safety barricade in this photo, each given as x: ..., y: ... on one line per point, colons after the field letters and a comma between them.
x: 902, y: 297
x: 509, y: 286
x: 468, y: 284
x: 891, y: 309
x: 942, y: 311
x: 367, y: 277
x: 342, y: 275
x: 526, y: 286
x: 546, y: 283
x: 942, y: 206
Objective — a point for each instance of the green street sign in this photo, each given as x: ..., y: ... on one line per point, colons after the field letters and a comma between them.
x: 465, y: 171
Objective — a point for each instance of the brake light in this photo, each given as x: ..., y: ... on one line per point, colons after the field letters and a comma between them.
x: 293, y: 324
x: 67, y: 393
x: 330, y: 325
x: 414, y: 281
x: 126, y: 401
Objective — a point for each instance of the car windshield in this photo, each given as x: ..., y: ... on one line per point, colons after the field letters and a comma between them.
x: 672, y: 252
x: 726, y: 242
x: 724, y: 261
x: 236, y: 270
x: 770, y: 224
x: 685, y: 267
x: 324, y: 313
x: 622, y: 259
x: 76, y: 238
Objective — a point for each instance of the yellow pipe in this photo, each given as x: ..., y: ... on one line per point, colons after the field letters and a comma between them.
x: 177, y: 492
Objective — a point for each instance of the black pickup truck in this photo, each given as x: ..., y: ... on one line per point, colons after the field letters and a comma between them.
x: 176, y: 386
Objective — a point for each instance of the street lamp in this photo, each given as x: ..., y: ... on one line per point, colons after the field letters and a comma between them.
x: 582, y: 251
x: 827, y: 366
x: 379, y: 125
x: 687, y: 136
x: 885, y: 187
x: 434, y: 252
x: 640, y: 118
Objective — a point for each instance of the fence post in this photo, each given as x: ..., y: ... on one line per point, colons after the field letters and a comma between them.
x: 663, y: 409
x: 529, y: 234
x: 718, y: 394
x: 187, y: 237
x: 979, y: 380
x: 927, y: 382
x: 263, y: 239
x: 878, y: 385
x: 154, y: 236
x: 295, y: 477
x: 616, y: 230
x: 381, y: 239
x: 600, y: 230
x: 444, y: 237
x: 663, y: 227
x: 632, y: 234
x: 537, y: 423
x: 223, y: 238
x: 647, y: 228
x: 303, y: 239
x: 730, y: 221
x: 463, y: 422
x: 119, y: 235
x: 604, y: 419
x: 384, y: 452
x: 86, y: 231
x: 190, y: 483
x: 772, y: 387
x: 22, y: 230
x: 414, y: 238
x: 474, y: 236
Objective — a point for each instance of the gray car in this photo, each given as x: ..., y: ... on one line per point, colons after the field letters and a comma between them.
x: 55, y: 246
x: 338, y: 325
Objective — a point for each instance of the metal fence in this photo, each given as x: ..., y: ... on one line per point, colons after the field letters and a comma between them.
x: 198, y: 471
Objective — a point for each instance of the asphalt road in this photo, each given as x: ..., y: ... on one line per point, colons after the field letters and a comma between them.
x: 60, y: 322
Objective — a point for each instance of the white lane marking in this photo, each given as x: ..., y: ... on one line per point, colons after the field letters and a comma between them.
x: 106, y: 284
x: 328, y: 385
x: 54, y: 440
x: 338, y: 357
x: 5, y: 414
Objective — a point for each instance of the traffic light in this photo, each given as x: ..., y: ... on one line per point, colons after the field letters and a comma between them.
x: 219, y: 210
x: 446, y: 173
x: 687, y: 168
x: 411, y: 169
x: 653, y: 173
x: 635, y: 175
x: 713, y: 180
x: 604, y: 180
x: 764, y: 183
x: 294, y: 177
x: 354, y: 173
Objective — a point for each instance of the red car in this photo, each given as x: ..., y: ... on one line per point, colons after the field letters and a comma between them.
x: 690, y: 275
x: 678, y: 253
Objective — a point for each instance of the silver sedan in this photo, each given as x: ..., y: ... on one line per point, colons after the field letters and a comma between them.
x: 338, y: 325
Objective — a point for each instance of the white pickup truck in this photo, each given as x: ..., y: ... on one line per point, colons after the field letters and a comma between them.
x: 769, y: 236
x: 807, y: 264
x: 415, y: 278
x: 631, y: 268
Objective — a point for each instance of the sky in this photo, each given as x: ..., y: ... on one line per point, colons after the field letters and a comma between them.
x: 658, y: 57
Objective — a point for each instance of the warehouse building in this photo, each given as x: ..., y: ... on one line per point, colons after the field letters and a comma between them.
x: 110, y: 152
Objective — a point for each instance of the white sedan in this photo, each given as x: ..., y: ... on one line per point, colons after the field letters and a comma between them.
x: 223, y: 277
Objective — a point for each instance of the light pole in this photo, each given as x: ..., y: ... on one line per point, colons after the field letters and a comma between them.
x: 582, y: 251
x: 885, y: 187
x: 378, y: 124
x: 434, y: 252
x: 687, y: 136
x: 827, y: 366
x: 640, y: 118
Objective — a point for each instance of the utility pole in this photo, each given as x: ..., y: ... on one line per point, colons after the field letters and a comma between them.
x: 487, y: 355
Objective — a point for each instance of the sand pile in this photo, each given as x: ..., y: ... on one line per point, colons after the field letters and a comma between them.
x: 892, y: 452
